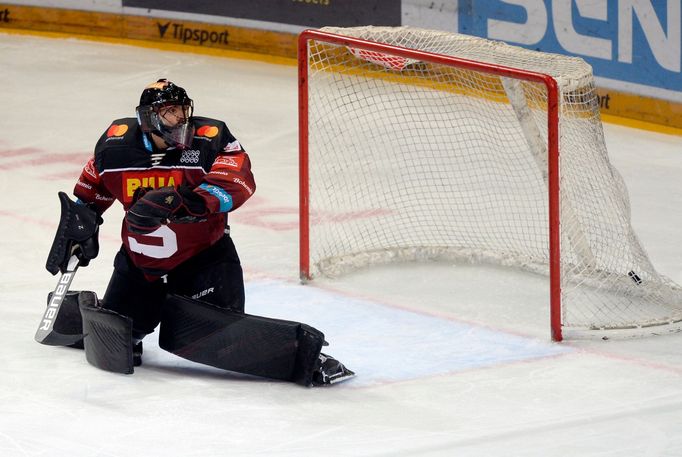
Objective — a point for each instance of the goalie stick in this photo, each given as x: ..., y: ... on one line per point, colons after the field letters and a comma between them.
x: 46, y: 334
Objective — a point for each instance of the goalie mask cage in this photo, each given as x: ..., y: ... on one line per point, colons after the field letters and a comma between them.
x: 420, y: 145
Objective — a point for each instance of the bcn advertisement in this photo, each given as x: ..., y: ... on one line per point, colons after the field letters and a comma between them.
x: 632, y: 45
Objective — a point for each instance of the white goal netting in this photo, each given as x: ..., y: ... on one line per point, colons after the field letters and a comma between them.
x: 410, y: 160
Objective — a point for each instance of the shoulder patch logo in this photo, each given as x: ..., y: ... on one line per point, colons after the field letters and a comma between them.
x: 233, y: 147
x: 208, y: 131
x: 90, y: 170
x: 117, y: 130
x: 234, y: 162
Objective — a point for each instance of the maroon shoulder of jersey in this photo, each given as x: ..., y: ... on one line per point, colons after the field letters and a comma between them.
x: 230, y: 181
x: 89, y: 187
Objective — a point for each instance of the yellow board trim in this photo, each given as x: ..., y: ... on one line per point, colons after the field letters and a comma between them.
x: 641, y: 125
x: 158, y: 45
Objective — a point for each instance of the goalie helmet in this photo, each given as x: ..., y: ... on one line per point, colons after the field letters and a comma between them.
x: 154, y: 98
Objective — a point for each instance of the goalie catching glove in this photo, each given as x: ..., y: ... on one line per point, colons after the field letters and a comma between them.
x: 154, y: 208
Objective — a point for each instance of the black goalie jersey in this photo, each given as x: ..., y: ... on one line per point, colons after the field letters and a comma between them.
x: 215, y: 166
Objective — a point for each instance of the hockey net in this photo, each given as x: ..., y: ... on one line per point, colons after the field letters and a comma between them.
x: 426, y: 145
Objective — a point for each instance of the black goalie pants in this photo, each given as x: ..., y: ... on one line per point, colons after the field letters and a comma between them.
x: 214, y: 276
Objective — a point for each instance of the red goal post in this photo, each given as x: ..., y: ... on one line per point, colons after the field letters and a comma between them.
x: 395, y: 59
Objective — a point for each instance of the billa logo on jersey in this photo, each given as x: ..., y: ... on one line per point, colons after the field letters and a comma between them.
x: 234, y: 162
x: 131, y: 180
x: 116, y: 131
x: 209, y: 131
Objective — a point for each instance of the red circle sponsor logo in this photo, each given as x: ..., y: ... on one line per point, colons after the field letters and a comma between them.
x: 207, y: 130
x: 117, y: 130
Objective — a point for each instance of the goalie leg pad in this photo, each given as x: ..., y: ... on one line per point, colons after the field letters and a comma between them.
x: 68, y: 321
x: 108, y: 337
x: 261, y: 346
x: 310, y: 342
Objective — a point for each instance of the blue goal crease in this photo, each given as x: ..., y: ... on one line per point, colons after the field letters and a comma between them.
x: 385, y: 344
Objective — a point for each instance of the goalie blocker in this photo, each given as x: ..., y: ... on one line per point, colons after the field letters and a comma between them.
x: 77, y: 234
x: 74, y: 245
x: 207, y: 334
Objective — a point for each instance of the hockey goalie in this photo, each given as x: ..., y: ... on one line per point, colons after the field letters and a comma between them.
x: 177, y: 176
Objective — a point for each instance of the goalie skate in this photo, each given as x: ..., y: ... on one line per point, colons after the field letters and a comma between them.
x: 330, y: 371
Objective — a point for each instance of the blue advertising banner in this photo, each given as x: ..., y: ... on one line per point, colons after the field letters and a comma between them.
x: 631, y: 43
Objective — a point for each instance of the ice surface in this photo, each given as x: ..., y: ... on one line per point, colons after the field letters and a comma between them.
x: 451, y: 360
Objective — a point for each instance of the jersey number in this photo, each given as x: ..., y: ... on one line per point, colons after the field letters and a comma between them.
x: 168, y: 247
